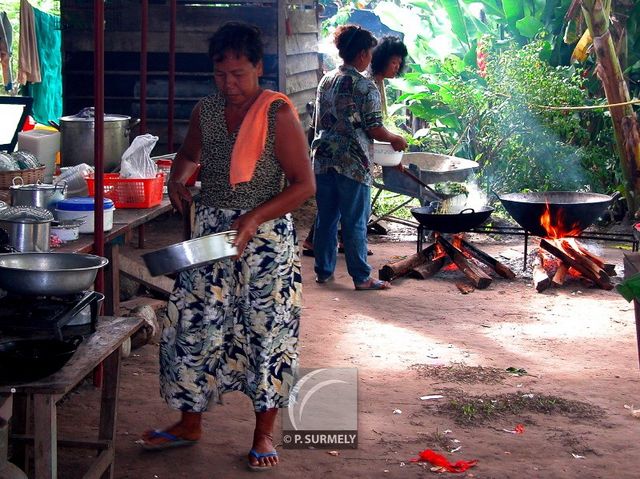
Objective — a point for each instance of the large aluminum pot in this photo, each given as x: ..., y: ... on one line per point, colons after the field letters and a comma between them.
x: 77, y: 135
x: 40, y: 195
x: 44, y: 274
x: 28, y: 227
x: 191, y: 254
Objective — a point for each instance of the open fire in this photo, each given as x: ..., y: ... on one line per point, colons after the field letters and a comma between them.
x: 561, y: 255
x: 476, y: 265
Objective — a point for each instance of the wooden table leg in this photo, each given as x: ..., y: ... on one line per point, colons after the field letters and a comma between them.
x: 45, y: 436
x: 112, y: 280
x: 109, y: 406
x: 141, y: 236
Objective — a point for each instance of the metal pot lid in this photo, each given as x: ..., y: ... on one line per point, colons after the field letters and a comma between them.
x: 26, y: 214
x: 88, y: 115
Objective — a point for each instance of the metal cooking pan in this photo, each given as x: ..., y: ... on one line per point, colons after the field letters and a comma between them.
x: 46, y: 274
x: 437, y: 168
x: 191, y: 254
x: 575, y: 210
x: 465, y: 220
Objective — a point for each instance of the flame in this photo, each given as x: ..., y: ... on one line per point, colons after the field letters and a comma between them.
x: 555, y: 227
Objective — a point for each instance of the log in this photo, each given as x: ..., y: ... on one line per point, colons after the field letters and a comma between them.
x: 561, y: 275
x: 578, y: 264
x: 429, y: 268
x: 541, y: 280
x: 400, y: 268
x: 479, y: 278
x: 609, y: 268
x: 500, y: 268
x: 465, y: 288
x: 568, y: 248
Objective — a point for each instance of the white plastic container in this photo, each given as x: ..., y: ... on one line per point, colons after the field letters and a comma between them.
x: 82, y: 208
x: 44, y: 144
x: 385, y: 155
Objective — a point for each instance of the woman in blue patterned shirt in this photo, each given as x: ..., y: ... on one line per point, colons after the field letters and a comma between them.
x: 348, y: 118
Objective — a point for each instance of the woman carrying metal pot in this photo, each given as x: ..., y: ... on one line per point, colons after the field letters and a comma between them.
x: 348, y: 118
x: 233, y: 325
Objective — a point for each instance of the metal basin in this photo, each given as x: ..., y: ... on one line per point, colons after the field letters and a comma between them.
x: 45, y: 274
x: 576, y: 210
x: 436, y: 168
x: 191, y: 254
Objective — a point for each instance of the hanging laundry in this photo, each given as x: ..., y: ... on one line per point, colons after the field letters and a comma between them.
x: 5, y: 50
x: 28, y: 59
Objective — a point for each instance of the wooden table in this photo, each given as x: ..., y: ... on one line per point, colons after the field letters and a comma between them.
x: 103, y: 346
x: 631, y: 267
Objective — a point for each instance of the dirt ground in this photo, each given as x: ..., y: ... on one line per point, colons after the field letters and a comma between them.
x: 422, y: 338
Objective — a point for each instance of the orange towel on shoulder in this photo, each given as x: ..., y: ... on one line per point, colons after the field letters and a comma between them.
x: 252, y: 137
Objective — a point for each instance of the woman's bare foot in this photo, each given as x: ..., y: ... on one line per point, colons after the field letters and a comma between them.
x: 263, y: 454
x: 188, y: 428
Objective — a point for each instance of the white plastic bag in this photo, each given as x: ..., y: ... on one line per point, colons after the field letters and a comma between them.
x: 136, y: 161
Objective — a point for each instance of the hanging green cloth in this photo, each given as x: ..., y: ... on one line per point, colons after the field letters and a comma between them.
x: 47, y: 95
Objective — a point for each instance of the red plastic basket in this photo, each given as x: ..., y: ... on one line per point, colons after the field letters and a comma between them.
x: 130, y: 192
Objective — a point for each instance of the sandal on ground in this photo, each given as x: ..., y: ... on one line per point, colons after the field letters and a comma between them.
x: 373, y: 285
x: 171, y: 441
x: 257, y: 455
x: 324, y: 279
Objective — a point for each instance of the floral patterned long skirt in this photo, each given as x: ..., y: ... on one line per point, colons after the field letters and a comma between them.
x: 233, y: 325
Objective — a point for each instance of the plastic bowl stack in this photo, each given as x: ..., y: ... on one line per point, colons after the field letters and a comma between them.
x: 385, y: 155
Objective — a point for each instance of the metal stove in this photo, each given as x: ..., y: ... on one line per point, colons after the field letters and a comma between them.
x: 54, y: 317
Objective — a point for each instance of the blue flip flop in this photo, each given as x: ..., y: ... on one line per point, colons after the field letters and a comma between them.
x: 258, y: 456
x: 172, y: 441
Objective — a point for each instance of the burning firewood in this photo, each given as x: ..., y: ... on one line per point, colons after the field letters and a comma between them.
x: 479, y: 278
x: 561, y: 275
x: 610, y: 269
x: 541, y: 279
x: 497, y: 266
x: 400, y: 268
x: 429, y: 268
x: 564, y: 251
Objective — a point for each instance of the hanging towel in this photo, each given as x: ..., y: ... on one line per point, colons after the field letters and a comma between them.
x: 252, y: 137
x: 28, y: 59
x: 47, y: 95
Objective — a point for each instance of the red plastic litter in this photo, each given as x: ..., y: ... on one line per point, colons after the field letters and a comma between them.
x: 519, y: 429
x: 440, y: 461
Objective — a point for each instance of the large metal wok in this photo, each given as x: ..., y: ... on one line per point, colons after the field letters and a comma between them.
x: 436, y: 168
x: 464, y: 220
x: 573, y: 210
x: 46, y: 274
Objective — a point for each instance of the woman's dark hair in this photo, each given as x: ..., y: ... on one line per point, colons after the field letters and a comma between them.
x: 388, y: 47
x: 351, y: 40
x: 239, y: 38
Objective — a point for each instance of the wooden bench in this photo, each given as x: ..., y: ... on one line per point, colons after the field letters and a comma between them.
x: 103, y: 346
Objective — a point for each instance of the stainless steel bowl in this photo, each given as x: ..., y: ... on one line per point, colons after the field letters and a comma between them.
x: 191, y: 254
x: 44, y: 274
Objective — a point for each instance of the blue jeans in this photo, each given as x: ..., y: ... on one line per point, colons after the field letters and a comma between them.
x: 341, y: 199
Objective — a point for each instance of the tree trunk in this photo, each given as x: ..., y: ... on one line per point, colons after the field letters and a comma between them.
x: 616, y: 91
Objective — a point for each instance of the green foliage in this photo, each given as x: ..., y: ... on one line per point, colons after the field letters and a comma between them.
x: 498, y: 120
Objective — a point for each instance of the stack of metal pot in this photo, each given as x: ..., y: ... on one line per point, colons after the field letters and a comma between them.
x: 27, y: 227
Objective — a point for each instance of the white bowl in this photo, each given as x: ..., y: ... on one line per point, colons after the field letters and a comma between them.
x: 385, y: 155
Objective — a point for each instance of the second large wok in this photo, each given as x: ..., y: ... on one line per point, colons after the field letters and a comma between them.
x: 465, y: 220
x: 575, y: 210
